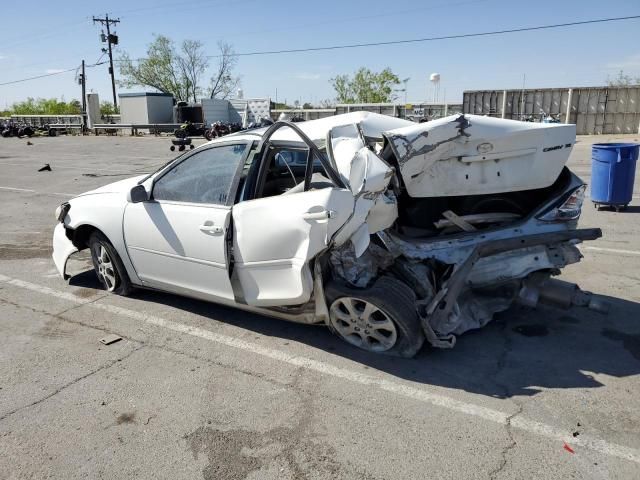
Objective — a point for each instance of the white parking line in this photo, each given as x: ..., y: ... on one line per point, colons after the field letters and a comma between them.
x: 28, y: 190
x: 610, y: 250
x: 14, y: 189
x: 397, y: 388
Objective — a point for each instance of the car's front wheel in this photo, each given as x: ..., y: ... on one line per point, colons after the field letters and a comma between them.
x: 380, y: 319
x: 108, y: 266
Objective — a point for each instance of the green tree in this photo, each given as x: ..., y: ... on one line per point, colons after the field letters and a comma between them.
x: 167, y: 69
x: 107, y: 109
x: 45, y: 106
x: 366, y: 86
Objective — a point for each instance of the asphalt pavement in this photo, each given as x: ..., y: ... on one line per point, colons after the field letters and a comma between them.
x: 197, y: 390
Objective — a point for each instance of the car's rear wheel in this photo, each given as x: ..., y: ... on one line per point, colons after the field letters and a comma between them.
x: 108, y: 266
x: 380, y: 319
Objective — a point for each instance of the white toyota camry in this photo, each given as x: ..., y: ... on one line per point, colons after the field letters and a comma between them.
x: 387, y: 231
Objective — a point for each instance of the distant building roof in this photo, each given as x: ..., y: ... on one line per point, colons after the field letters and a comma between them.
x: 145, y: 94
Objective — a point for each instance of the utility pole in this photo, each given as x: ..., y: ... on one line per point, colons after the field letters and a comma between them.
x: 83, y: 83
x: 111, y: 40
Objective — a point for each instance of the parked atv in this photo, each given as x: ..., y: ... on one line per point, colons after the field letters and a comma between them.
x: 189, y: 129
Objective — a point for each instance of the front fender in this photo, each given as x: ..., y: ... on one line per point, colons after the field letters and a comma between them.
x: 101, y: 211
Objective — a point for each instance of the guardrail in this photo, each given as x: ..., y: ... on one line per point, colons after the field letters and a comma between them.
x: 134, y: 127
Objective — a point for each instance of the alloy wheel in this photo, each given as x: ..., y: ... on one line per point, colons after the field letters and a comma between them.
x: 362, y: 324
x: 106, y: 269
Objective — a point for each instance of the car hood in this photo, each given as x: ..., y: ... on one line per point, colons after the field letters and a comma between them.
x: 121, y: 186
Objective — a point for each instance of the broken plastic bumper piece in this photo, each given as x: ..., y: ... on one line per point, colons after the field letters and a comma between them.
x: 62, y: 249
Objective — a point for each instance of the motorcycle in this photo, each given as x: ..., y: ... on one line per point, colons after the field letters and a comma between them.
x: 220, y: 129
x: 16, y: 129
x: 548, y: 118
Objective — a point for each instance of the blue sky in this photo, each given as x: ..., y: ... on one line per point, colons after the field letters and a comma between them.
x: 50, y: 36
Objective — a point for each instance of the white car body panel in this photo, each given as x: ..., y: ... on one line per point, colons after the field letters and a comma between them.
x: 62, y: 250
x: 275, y: 237
x: 474, y: 155
x: 368, y: 177
x: 179, y: 244
x: 371, y: 124
x: 104, y: 211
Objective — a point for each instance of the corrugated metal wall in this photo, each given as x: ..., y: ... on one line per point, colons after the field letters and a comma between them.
x: 594, y: 110
x: 215, y: 110
x: 409, y: 111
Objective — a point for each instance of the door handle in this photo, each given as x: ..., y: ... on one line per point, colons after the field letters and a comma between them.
x: 209, y: 227
x: 321, y: 215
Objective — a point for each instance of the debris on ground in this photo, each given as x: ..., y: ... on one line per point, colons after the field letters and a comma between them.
x: 568, y: 448
x: 46, y: 168
x: 109, y: 339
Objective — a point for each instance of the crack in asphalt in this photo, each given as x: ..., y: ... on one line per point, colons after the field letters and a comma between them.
x: 58, y: 316
x: 71, y: 383
x: 500, y: 366
x: 163, y: 347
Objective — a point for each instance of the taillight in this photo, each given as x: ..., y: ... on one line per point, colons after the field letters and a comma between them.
x: 570, y: 209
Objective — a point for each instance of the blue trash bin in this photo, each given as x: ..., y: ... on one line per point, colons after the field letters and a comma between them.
x: 613, y: 171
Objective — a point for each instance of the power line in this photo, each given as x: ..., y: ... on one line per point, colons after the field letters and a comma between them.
x: 40, y: 76
x: 372, y: 44
x: 431, y: 39
x: 50, y: 74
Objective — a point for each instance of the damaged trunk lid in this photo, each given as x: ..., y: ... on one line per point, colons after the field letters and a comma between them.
x: 474, y: 155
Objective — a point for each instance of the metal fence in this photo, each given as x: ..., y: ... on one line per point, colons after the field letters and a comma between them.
x: 594, y: 110
x: 61, y: 120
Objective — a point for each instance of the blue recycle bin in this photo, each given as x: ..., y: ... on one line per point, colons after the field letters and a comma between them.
x: 613, y: 171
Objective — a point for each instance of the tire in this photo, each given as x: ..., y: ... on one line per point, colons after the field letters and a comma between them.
x: 392, y: 315
x: 108, y: 266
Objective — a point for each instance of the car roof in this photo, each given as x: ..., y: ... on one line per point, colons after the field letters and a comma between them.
x: 372, y: 125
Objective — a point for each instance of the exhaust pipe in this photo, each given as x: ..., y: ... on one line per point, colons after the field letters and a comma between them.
x: 559, y: 293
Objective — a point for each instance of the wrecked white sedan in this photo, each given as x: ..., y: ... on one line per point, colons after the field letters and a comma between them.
x: 387, y: 231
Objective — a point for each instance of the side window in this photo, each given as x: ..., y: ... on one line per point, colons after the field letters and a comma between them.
x: 204, y: 177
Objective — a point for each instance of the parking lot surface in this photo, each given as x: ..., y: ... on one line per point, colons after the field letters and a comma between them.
x: 196, y: 390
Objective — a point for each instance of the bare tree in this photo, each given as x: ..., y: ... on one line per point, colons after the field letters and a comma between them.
x: 192, y: 63
x: 223, y: 83
x: 166, y: 69
x: 623, y: 80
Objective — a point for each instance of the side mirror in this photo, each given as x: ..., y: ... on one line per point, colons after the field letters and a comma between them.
x: 138, y: 194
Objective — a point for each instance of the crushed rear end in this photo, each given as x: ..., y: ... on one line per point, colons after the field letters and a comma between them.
x: 473, y: 213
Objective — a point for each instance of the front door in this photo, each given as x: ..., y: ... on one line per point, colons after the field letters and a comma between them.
x: 177, y: 240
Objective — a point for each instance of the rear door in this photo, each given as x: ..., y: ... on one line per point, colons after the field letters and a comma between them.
x: 276, y: 237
